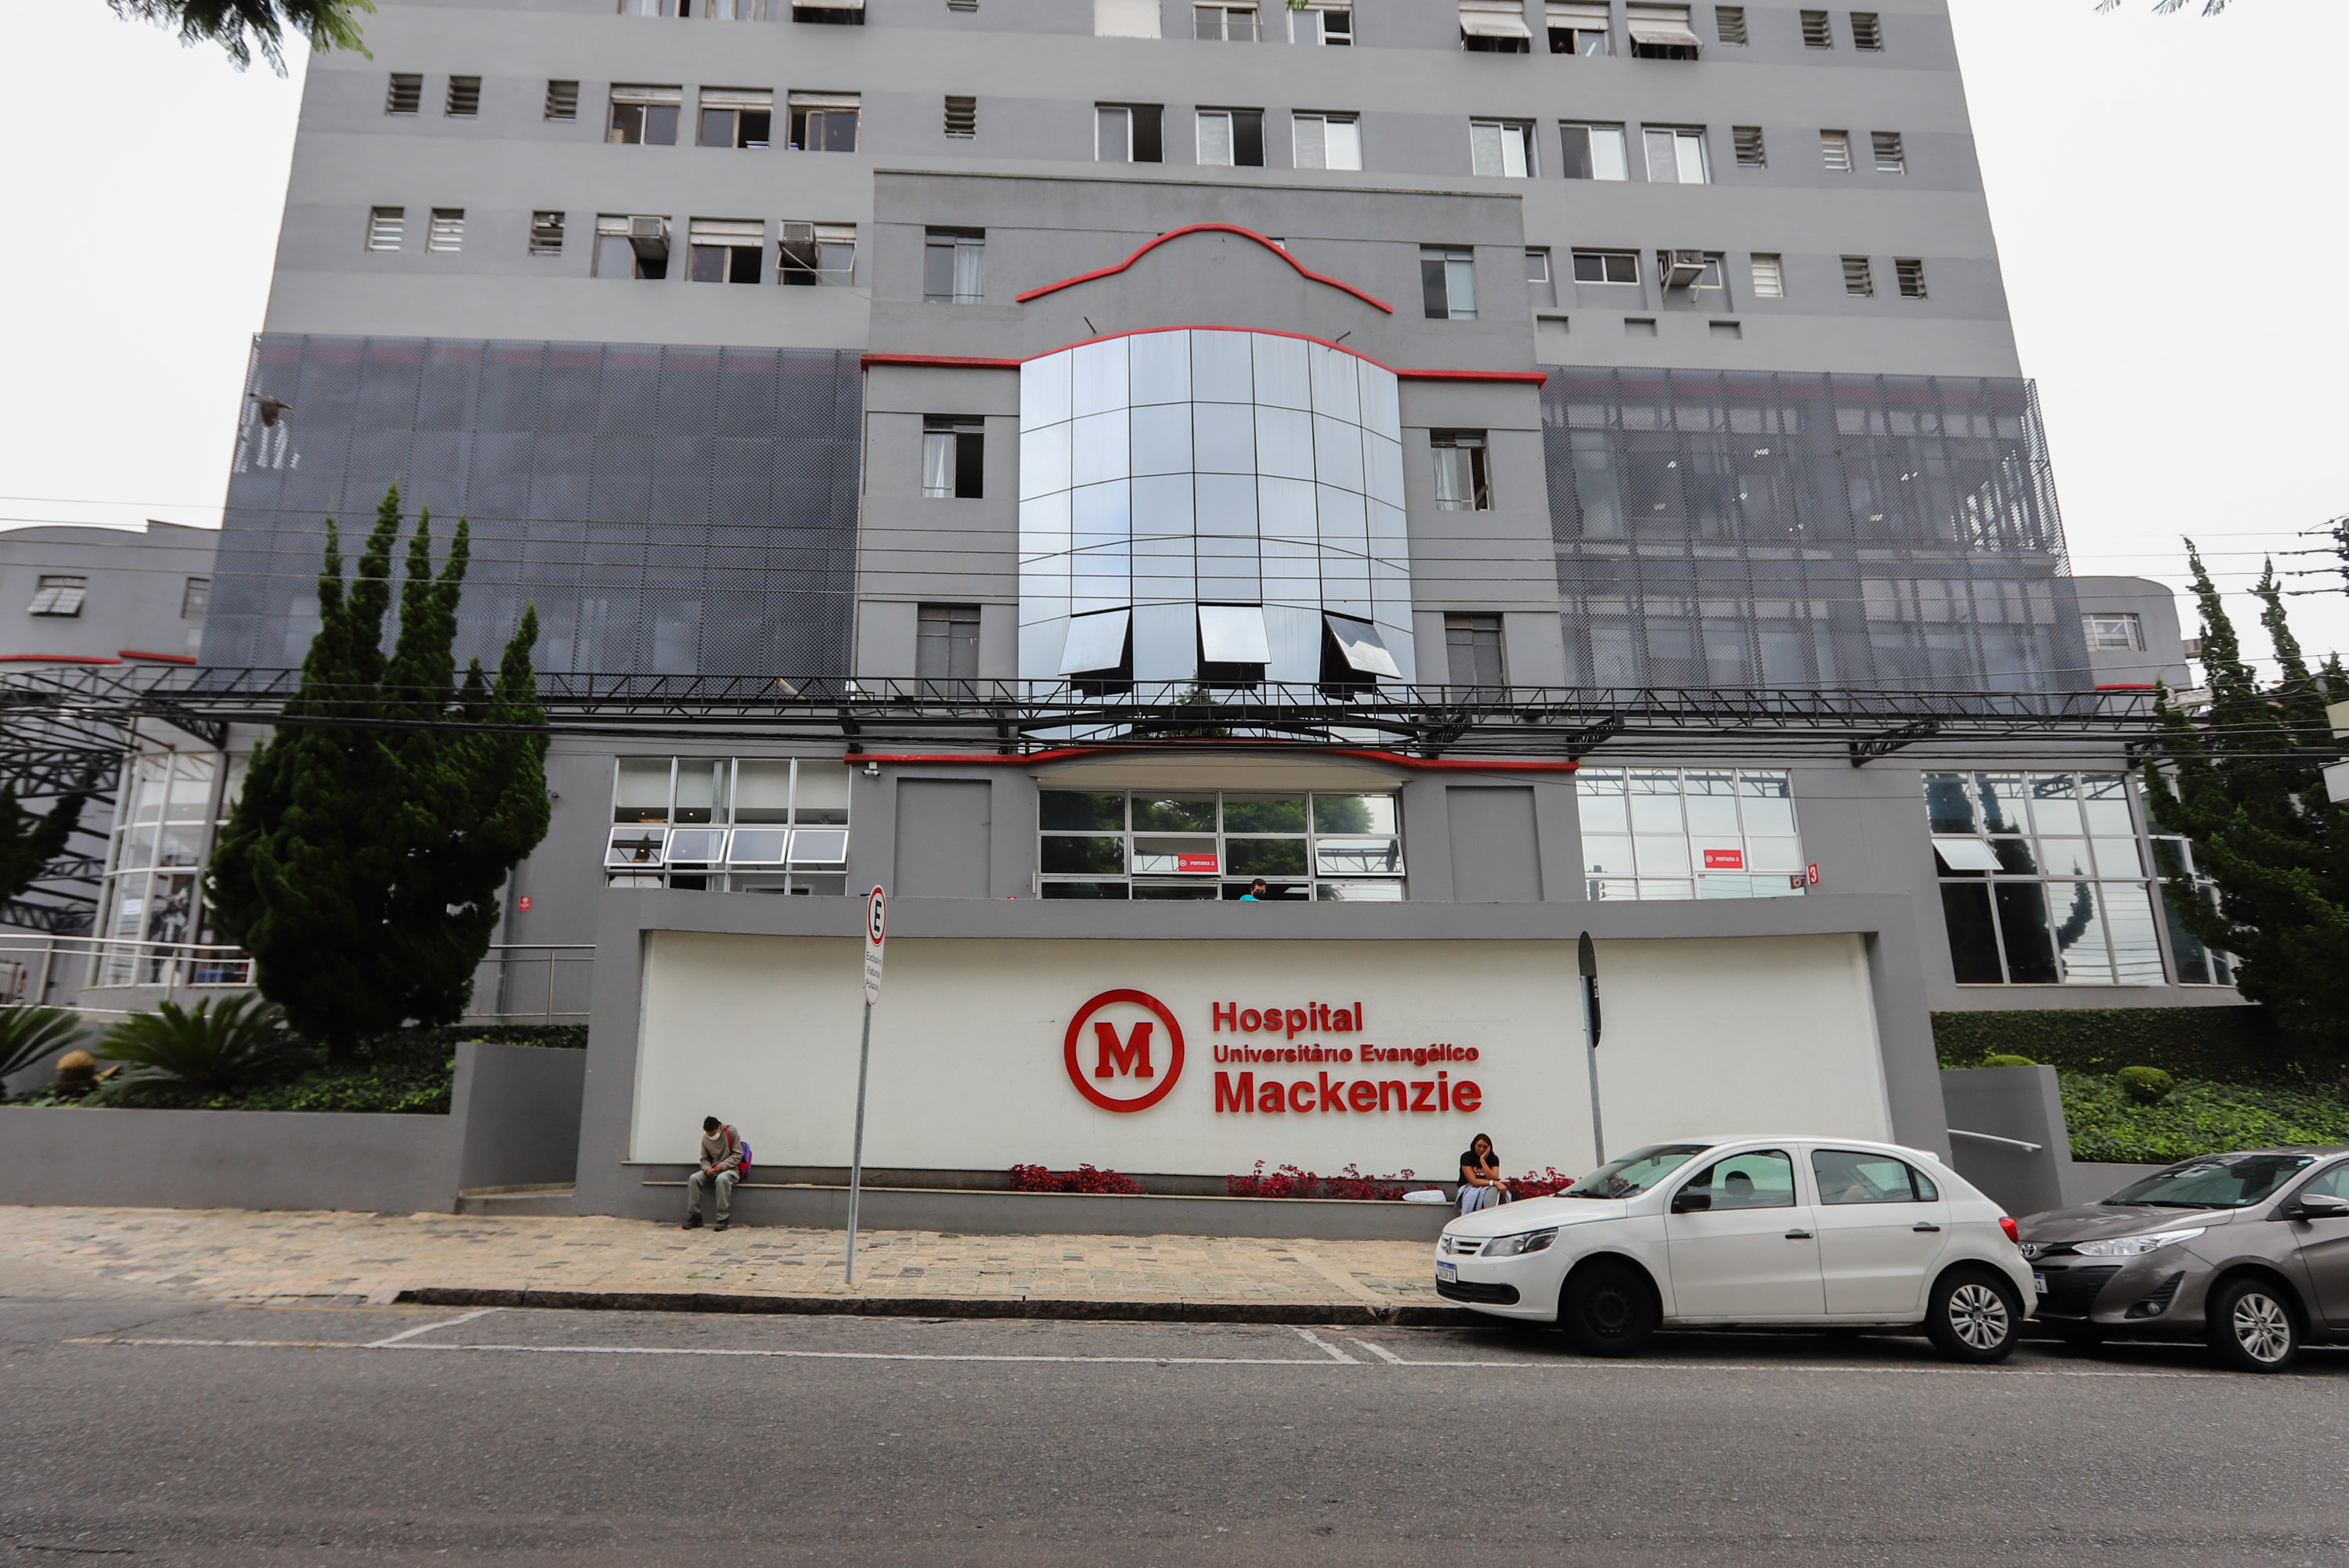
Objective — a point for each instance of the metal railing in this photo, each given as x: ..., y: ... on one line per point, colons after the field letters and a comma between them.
x: 527, y: 980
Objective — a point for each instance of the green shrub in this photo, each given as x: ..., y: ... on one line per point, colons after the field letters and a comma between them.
x: 219, y: 1042
x: 28, y: 1034
x: 2196, y: 1118
x: 412, y: 1071
x: 2002, y: 1059
x: 2147, y: 1085
x: 2220, y: 1045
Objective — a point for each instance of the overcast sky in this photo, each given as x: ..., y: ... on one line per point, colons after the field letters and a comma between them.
x: 2170, y: 232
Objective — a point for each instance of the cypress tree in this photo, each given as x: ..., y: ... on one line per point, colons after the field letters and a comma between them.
x: 2241, y: 789
x: 360, y: 867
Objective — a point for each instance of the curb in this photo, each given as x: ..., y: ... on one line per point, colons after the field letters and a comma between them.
x: 1338, y: 1314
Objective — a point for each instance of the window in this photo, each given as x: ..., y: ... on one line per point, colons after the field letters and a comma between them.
x: 631, y: 245
x: 2114, y: 634
x: 464, y: 97
x: 1729, y: 24
x: 1652, y: 833
x: 1605, y: 267
x: 1462, y: 480
x: 1867, y: 31
x: 1818, y: 34
x: 1125, y: 18
x: 447, y: 234
x: 1660, y: 32
x: 563, y: 100
x: 725, y: 250
x: 1206, y: 844
x: 945, y: 643
x: 1541, y: 283
x: 1225, y: 24
x: 163, y: 833
x: 1232, y: 138
x: 57, y: 596
x: 1472, y: 646
x: 406, y: 95
x: 954, y: 457
x: 961, y: 118
x: 644, y: 117
x: 1447, y: 281
x: 1325, y: 22
x: 386, y: 227
x: 196, y: 599
x: 824, y: 122
x: 954, y: 267
x: 1891, y: 158
x: 774, y: 825
x: 1501, y: 148
x: 546, y: 233
x: 1751, y: 153
x: 1847, y: 1176
x: 1676, y: 156
x: 1769, y: 276
x: 1127, y: 133
x: 809, y: 255
x: 1596, y: 152
x: 849, y: 15
x: 1494, y: 26
x: 1859, y: 277
x: 1761, y: 1180
x: 1579, y: 27
x: 737, y: 117
x: 2047, y: 879
x: 1910, y: 271
x: 1834, y: 150
x: 1688, y: 269
x: 1327, y: 140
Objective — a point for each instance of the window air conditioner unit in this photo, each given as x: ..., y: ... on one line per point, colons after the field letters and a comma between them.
x: 798, y: 246
x: 648, y: 237
x: 1683, y: 268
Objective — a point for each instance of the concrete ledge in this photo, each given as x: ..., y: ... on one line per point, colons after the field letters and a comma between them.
x: 1340, y: 1315
x: 966, y: 1211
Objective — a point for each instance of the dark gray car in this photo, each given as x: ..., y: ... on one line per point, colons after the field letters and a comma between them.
x: 2249, y: 1252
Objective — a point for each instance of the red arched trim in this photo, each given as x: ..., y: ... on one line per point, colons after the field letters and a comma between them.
x: 1069, y: 753
x: 158, y: 658
x: 55, y: 659
x: 965, y: 362
x: 1303, y: 270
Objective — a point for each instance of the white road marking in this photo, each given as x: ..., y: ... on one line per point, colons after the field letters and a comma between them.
x: 429, y: 1327
x: 1320, y: 1344
x: 1381, y: 1351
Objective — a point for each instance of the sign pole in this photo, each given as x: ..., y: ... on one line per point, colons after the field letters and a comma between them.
x: 875, y: 933
x: 1587, y: 961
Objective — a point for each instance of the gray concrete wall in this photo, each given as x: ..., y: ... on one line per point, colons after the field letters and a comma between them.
x: 2019, y: 1103
x: 517, y: 1113
x: 138, y: 582
x: 2155, y: 604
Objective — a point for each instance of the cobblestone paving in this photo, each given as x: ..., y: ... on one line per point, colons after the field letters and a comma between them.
x: 231, y: 1254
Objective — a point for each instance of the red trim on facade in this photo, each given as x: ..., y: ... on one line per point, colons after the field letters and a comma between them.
x: 1530, y: 378
x: 2130, y: 685
x: 159, y: 658
x: 940, y: 361
x: 57, y: 659
x: 1302, y: 270
x: 1068, y: 753
x: 966, y: 361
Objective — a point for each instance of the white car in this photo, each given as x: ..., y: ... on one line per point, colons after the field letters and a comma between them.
x: 1768, y: 1232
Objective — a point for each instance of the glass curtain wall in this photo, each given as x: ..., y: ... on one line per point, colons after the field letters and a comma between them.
x: 730, y: 824
x: 1166, y: 471
x: 1652, y: 833
x: 1210, y: 844
x: 152, y: 915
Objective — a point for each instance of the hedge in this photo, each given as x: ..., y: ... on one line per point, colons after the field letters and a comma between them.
x: 2221, y: 1045
x: 2196, y: 1118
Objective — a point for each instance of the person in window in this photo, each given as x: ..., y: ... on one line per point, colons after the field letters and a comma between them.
x: 722, y: 1154
x: 1481, y: 1185
x: 1257, y: 892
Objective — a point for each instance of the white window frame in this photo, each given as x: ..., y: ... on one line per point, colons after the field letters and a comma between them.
x: 1677, y: 155
x: 2126, y: 624
x: 1769, y: 274
x: 1835, y: 151
x: 1582, y: 250
x: 447, y: 234
x: 386, y: 228
x: 1502, y: 149
x: 1327, y: 121
x: 1609, y: 145
x: 1309, y: 23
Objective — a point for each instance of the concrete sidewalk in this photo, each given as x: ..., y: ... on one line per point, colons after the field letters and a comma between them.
x: 238, y: 1255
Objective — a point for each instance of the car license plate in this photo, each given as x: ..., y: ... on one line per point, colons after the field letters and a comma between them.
x: 1447, y: 1274
x: 2039, y: 1282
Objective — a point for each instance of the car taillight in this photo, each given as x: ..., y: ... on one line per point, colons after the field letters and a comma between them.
x: 2013, y: 1233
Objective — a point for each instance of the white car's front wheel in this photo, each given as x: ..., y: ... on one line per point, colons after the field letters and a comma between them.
x: 1608, y: 1307
x: 1974, y: 1315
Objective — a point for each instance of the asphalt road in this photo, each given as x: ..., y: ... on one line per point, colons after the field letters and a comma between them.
x: 141, y: 1431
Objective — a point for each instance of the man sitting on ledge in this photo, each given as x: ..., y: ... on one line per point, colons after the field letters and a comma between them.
x: 723, y: 1157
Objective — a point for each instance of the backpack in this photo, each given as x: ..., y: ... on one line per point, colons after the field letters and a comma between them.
x: 742, y: 1147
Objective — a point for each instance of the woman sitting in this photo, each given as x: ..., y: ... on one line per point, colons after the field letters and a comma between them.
x: 1481, y: 1185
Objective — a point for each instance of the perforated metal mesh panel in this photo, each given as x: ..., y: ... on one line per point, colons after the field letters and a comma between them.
x: 1781, y: 530
x: 672, y: 511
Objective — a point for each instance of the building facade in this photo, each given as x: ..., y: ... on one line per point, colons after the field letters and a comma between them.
x: 1222, y: 354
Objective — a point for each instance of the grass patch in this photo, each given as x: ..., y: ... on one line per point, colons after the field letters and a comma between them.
x: 2199, y: 1116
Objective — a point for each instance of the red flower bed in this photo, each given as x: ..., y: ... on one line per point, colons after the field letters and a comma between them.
x: 1548, y: 1184
x: 1083, y: 1179
x: 1289, y: 1181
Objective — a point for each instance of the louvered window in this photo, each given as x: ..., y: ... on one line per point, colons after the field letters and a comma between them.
x: 1834, y: 150
x: 464, y: 97
x: 386, y: 228
x: 58, y: 597
x: 1769, y: 276
x: 1867, y: 31
x: 1891, y: 158
x: 1859, y: 277
x: 1751, y: 153
x: 546, y: 233
x: 563, y: 100
x: 448, y: 231
x: 1729, y: 24
x: 407, y: 94
x: 1911, y: 271
x: 1818, y: 32
x: 961, y: 118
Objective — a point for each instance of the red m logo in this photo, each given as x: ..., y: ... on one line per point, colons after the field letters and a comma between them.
x: 1133, y: 1056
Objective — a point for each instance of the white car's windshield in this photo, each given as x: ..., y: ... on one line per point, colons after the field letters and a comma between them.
x: 1636, y: 1172
x: 2218, y: 1181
